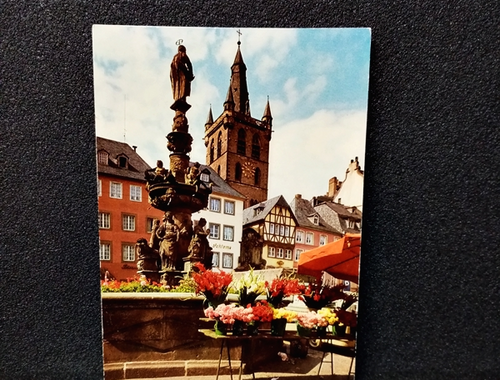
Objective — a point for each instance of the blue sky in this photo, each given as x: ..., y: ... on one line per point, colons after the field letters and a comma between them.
x: 316, y: 80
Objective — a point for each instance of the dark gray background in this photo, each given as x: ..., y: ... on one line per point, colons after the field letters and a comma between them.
x: 430, y: 263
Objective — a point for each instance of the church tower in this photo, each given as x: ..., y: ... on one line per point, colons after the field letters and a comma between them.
x: 237, y: 144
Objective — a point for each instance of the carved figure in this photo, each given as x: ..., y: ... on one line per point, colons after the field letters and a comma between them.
x: 147, y: 256
x: 193, y: 175
x: 200, y: 247
x: 158, y: 174
x: 168, y: 233
x: 181, y: 74
x: 154, y: 241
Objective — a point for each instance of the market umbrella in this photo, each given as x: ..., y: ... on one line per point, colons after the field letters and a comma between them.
x: 340, y: 259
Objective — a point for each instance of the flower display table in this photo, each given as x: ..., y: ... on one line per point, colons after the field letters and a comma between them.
x: 243, y: 339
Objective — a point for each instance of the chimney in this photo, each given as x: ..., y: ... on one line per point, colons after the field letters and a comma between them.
x: 135, y: 148
x: 298, y: 196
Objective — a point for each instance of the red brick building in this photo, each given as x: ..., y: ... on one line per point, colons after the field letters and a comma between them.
x: 124, y: 212
x: 312, y: 230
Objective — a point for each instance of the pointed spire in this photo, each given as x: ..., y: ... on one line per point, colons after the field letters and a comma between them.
x: 239, y: 86
x: 210, y: 118
x: 267, y: 117
x: 229, y: 103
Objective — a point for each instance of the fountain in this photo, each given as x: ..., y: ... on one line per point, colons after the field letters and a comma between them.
x: 175, y: 245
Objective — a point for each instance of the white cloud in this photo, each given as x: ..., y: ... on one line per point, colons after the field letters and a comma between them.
x: 322, y: 147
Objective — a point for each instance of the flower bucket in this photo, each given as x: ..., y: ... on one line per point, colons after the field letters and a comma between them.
x: 278, y: 326
x: 320, y: 331
x: 303, y: 331
x: 238, y: 328
x: 220, y: 328
x: 339, y: 330
x: 253, y: 328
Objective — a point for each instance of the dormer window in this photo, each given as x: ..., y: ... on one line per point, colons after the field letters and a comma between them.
x: 122, y: 161
x: 314, y: 219
x: 102, y: 157
x: 205, y: 176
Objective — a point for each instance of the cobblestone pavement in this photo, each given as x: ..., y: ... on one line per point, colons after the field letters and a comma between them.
x: 296, y: 368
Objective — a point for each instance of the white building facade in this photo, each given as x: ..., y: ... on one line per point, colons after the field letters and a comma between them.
x: 224, y: 216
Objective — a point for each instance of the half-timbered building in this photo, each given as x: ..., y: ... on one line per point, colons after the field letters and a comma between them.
x: 268, y: 235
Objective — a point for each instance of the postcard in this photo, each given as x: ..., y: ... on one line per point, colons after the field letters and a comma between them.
x: 230, y: 171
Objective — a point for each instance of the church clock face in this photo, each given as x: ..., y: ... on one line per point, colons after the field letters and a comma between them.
x: 248, y: 169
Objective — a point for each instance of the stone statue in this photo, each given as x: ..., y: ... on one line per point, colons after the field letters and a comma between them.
x: 154, y: 241
x: 181, y: 75
x: 168, y: 234
x: 147, y: 256
x: 199, y: 248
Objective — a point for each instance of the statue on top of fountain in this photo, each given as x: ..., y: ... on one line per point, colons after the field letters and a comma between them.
x: 181, y: 76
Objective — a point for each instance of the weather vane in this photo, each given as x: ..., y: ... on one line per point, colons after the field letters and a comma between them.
x: 179, y: 41
x: 239, y: 35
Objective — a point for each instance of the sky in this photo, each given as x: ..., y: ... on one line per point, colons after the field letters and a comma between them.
x: 316, y: 81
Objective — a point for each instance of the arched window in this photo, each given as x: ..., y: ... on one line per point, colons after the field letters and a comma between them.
x: 257, y: 177
x: 242, y: 144
x: 237, y: 172
x: 256, y: 147
x: 219, y: 145
x: 212, y: 151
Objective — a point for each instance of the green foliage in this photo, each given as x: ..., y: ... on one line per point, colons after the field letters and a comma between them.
x: 186, y: 285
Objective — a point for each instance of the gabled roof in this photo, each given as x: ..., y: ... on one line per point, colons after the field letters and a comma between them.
x: 219, y: 185
x: 115, y: 149
x: 303, y: 211
x: 344, y: 211
x: 250, y: 216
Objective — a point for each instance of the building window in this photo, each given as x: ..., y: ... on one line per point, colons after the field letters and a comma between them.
x: 214, y: 230
x: 99, y: 188
x: 104, y: 220
x: 316, y: 219
x: 282, y: 230
x: 149, y: 224
x: 205, y: 177
x: 309, y: 238
x: 256, y: 147
x: 287, y: 230
x: 122, y: 162
x: 128, y: 222
x: 215, y: 260
x: 299, y: 237
x: 219, y: 145
x: 211, y: 151
x: 215, y: 204
x: 237, y: 172
x: 288, y: 254
x: 229, y: 207
x: 227, y: 260
x: 115, y: 190
x: 242, y: 144
x: 298, y: 252
x: 256, y: 177
x: 322, y: 239
x: 280, y: 253
x: 271, y: 228
x: 128, y: 252
x: 272, y: 252
x: 228, y: 233
x: 102, y: 158
x: 135, y: 193
x: 105, y: 251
